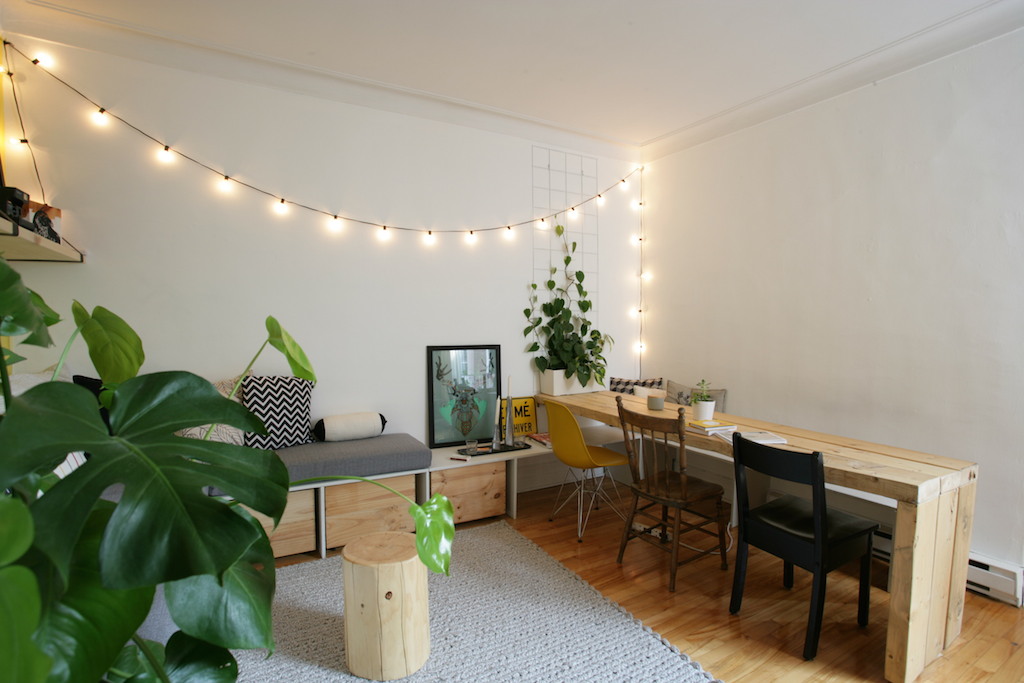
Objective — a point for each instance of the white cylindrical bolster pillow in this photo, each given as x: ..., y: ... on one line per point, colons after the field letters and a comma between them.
x: 348, y: 427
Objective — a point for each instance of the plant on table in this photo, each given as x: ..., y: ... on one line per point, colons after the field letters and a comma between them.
x: 78, y: 573
x: 562, y: 333
x: 701, y: 393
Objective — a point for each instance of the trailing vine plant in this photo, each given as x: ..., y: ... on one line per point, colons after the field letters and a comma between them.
x: 562, y: 333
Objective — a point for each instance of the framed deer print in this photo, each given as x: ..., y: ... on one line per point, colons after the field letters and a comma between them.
x: 463, y: 393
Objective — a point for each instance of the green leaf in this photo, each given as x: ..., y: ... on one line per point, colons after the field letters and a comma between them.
x: 115, y: 349
x: 20, y: 312
x: 16, y: 529
x: 86, y: 629
x: 283, y: 342
x: 190, y: 660
x: 133, y: 666
x: 550, y: 284
x: 580, y: 275
x: 435, y: 530
x: 10, y: 357
x: 236, y: 608
x: 23, y: 661
x: 541, y: 362
x: 165, y: 526
x: 559, y: 230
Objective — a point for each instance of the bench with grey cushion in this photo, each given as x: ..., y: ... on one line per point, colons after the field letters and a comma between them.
x: 371, y: 457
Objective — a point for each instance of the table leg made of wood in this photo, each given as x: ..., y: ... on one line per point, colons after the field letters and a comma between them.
x: 931, y: 540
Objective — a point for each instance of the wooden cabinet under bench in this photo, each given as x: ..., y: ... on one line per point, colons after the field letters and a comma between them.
x: 357, y: 508
x: 476, y: 491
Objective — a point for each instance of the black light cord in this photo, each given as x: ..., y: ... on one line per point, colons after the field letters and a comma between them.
x: 329, y: 214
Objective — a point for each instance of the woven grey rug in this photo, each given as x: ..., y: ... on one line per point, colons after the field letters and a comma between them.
x: 508, y: 612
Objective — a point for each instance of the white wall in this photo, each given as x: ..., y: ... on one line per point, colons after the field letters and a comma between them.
x: 856, y: 267
x: 196, y: 272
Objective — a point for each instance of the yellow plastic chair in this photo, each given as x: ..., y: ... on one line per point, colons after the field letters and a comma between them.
x: 570, y: 447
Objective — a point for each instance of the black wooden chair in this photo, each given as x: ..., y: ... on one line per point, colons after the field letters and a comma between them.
x: 801, y: 532
x: 657, y: 462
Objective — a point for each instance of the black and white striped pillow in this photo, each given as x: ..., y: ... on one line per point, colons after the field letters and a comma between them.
x: 282, y: 402
x: 625, y: 386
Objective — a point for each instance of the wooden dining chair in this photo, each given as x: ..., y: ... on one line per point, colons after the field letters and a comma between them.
x: 663, y: 491
x: 804, y: 533
x: 570, y: 446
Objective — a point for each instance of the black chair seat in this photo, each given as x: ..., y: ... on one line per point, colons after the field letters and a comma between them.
x: 795, y: 516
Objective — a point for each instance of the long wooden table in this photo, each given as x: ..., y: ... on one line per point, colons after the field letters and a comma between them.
x: 934, y: 513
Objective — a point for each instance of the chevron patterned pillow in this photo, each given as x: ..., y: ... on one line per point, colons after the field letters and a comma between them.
x: 282, y: 402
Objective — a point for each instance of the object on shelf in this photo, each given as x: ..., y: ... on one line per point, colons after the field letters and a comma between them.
x: 500, y: 448
x: 710, y: 427
x: 42, y: 219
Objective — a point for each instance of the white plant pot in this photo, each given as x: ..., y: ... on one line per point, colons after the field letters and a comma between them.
x: 553, y: 383
x: 704, y: 410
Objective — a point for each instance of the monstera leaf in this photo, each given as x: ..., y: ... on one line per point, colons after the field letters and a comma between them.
x: 279, y: 338
x: 165, y: 527
x: 115, y: 349
x: 236, y: 608
x: 84, y: 630
x: 22, y: 311
x: 435, y: 530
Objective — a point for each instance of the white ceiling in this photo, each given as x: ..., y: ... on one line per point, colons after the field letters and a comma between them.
x: 636, y: 72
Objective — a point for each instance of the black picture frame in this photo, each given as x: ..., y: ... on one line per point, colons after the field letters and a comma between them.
x: 463, y: 393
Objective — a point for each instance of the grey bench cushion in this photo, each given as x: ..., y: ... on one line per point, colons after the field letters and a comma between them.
x: 359, y: 457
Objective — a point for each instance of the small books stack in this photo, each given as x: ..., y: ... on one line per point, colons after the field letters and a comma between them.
x: 710, y: 427
x: 543, y: 438
x: 759, y: 437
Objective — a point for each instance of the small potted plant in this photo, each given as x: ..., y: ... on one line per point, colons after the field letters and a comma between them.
x: 570, y: 346
x: 701, y: 401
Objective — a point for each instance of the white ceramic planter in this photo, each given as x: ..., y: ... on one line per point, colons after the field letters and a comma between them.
x: 553, y: 383
x: 704, y: 410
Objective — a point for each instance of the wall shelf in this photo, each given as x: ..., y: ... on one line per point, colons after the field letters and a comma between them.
x: 18, y: 244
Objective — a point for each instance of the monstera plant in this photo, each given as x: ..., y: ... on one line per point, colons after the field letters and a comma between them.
x: 78, y: 572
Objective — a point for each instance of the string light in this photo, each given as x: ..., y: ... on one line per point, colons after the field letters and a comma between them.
x: 624, y: 184
x: 335, y: 225
x: 636, y: 204
x: 383, y: 235
x: 166, y: 154
x: 646, y: 276
x: 224, y: 184
x: 639, y: 347
x: 636, y: 240
x: 470, y: 237
x: 429, y: 238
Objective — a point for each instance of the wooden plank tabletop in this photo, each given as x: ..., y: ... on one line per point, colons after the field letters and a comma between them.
x: 889, y: 471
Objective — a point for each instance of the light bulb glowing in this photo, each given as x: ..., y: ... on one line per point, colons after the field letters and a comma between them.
x: 44, y: 60
x: 17, y: 141
x: 636, y: 204
x: 636, y: 240
x: 470, y: 237
x: 542, y: 224
x: 224, y: 184
x: 281, y: 207
x: 383, y: 235
x: 100, y: 117
x: 509, y: 233
x: 600, y: 200
x: 429, y: 239
x: 165, y: 155
x: 646, y: 276
x: 635, y: 312
x: 335, y: 225
x: 573, y: 213
x: 624, y: 184
x: 639, y: 347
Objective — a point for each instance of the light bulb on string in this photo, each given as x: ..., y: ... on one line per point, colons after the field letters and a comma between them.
x: 636, y: 204
x: 100, y: 117
x: 600, y: 200
x: 509, y: 233
x: 281, y: 207
x: 383, y: 235
x: 17, y: 142
x: 429, y: 238
x: 470, y: 237
x: 224, y: 184
x: 624, y: 184
x: 165, y: 155
x: 640, y: 347
x: 44, y: 60
x: 636, y: 312
x: 542, y: 224
x: 573, y: 213
x: 335, y: 225
x: 636, y: 240
x: 646, y: 276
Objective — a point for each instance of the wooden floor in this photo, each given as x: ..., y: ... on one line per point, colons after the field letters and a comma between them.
x: 764, y: 641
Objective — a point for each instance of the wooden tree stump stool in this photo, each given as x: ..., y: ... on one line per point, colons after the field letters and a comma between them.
x: 387, y: 628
